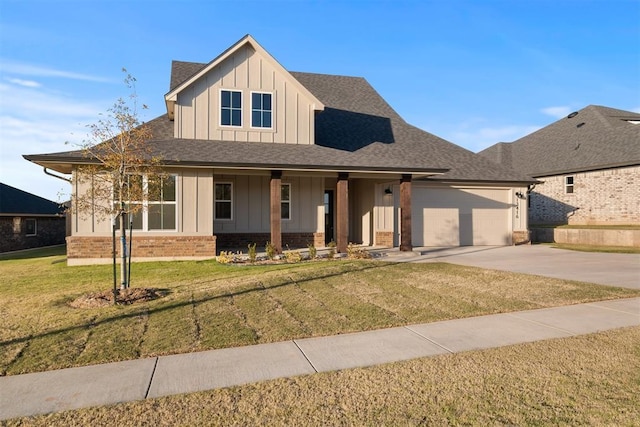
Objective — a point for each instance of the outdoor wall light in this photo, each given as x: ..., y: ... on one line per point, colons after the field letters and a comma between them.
x: 519, y: 195
x: 388, y: 190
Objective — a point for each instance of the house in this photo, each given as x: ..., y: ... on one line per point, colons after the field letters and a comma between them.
x: 29, y: 221
x: 588, y: 164
x: 257, y: 153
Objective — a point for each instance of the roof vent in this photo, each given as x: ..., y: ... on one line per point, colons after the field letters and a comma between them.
x: 572, y: 115
x: 579, y: 125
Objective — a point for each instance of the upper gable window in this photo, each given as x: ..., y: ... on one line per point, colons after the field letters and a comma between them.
x: 261, y: 110
x: 230, y: 108
x: 568, y: 184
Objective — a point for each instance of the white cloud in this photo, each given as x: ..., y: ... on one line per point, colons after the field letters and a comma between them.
x: 558, y: 112
x: 36, y: 121
x: 23, y: 69
x: 25, y: 83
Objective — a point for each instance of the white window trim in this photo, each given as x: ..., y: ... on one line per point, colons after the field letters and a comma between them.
x: 273, y: 98
x: 144, y: 210
x: 288, y: 184
x: 241, y: 108
x: 567, y: 185
x: 35, y: 226
x: 215, y: 213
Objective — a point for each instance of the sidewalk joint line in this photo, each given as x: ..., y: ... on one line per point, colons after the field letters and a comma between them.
x: 305, y: 356
x: 566, y: 331
x: 430, y: 340
x: 153, y: 373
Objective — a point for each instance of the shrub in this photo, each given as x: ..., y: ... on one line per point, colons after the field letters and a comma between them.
x: 292, y: 256
x: 252, y: 252
x: 271, y: 251
x: 332, y: 249
x: 357, y: 252
x: 224, y: 257
x: 313, y: 252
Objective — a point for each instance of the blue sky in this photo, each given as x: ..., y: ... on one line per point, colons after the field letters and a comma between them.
x: 473, y: 72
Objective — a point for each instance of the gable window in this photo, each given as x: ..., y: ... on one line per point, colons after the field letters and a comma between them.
x: 261, y: 110
x: 158, y: 207
x: 223, y: 202
x: 285, y: 201
x: 31, y: 226
x: 568, y: 184
x: 230, y: 108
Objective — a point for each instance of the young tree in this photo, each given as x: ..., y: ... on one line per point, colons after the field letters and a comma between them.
x: 121, y: 172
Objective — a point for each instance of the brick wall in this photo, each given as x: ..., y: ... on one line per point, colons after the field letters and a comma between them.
x: 521, y: 237
x: 292, y: 240
x: 384, y: 238
x: 50, y: 231
x: 601, y: 197
x: 143, y: 247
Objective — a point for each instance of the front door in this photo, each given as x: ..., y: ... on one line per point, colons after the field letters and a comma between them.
x: 328, y: 216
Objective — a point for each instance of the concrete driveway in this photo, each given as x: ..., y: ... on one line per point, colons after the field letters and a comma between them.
x: 542, y: 260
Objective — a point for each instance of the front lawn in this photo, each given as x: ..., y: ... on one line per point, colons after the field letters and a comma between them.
x: 210, y: 305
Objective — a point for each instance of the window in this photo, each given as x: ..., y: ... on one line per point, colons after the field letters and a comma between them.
x: 285, y: 201
x: 31, y: 226
x: 568, y: 184
x: 230, y: 108
x: 157, y: 210
x: 261, y: 110
x: 223, y: 201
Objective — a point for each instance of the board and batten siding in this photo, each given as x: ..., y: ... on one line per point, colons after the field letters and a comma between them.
x: 197, y: 110
x: 251, y: 205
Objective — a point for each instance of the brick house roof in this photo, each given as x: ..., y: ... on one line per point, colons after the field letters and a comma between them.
x: 16, y: 202
x: 592, y: 138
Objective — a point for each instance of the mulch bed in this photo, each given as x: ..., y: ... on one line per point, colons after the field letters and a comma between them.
x: 125, y: 297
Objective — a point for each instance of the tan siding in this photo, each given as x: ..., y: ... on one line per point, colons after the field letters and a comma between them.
x: 197, y: 107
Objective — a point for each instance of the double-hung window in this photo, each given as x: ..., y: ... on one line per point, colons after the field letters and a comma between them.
x: 31, y: 227
x: 261, y: 110
x: 223, y: 201
x: 230, y: 108
x: 568, y: 184
x: 285, y: 201
x: 151, y: 202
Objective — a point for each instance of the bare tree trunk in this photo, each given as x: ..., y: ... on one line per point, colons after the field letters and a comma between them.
x: 123, y: 251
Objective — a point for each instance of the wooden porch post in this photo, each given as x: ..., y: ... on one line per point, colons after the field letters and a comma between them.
x: 405, y: 214
x: 342, y: 212
x: 276, y: 210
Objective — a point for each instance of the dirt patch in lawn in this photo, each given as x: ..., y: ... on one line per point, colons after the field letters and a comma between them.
x: 124, y: 297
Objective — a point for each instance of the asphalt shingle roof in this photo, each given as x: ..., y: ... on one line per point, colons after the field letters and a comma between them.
x: 19, y: 202
x: 596, y: 137
x: 357, y: 130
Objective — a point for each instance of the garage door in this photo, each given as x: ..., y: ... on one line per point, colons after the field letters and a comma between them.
x: 460, y: 217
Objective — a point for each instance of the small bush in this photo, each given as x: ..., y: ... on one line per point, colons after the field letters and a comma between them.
x: 313, y: 252
x: 252, y: 252
x: 357, y: 252
x: 224, y: 257
x: 332, y: 249
x: 271, y: 251
x: 292, y: 256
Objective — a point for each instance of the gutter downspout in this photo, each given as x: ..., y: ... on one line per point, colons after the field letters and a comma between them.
x: 57, y: 176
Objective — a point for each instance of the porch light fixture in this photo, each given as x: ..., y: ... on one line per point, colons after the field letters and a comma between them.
x: 519, y: 195
x: 388, y: 190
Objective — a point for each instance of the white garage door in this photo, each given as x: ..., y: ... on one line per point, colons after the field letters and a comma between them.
x: 460, y: 217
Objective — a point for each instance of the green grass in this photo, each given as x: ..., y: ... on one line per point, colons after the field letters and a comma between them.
x: 210, y: 305
x: 585, y: 380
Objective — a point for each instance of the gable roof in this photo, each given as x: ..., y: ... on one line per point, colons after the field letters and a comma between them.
x: 357, y: 132
x: 594, y: 137
x: 14, y: 201
x: 178, y: 83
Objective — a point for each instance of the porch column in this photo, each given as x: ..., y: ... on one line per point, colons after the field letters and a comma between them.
x: 276, y: 210
x: 342, y: 212
x: 405, y: 214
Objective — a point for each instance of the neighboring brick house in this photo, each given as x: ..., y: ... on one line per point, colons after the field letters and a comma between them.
x: 29, y: 221
x: 254, y: 152
x: 588, y: 165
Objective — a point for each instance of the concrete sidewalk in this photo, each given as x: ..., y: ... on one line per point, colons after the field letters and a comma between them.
x: 98, y: 385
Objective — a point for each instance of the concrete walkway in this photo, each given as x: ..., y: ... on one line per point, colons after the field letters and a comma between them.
x: 602, y: 268
x: 98, y: 385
